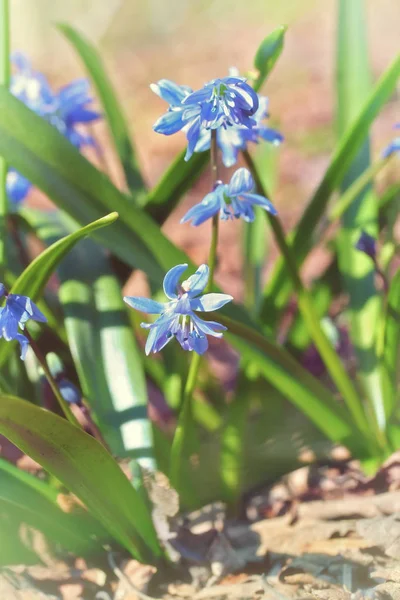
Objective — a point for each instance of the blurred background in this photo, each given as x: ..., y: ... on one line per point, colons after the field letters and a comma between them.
x: 193, y: 41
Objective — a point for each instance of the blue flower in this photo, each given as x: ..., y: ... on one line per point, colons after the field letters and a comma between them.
x: 394, y: 146
x: 232, y: 140
x: 66, y: 109
x: 367, y: 244
x: 224, y: 102
x: 177, y: 317
x: 16, y: 312
x: 233, y: 200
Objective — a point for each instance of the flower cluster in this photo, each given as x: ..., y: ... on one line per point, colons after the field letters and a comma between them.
x: 65, y: 109
x: 236, y: 113
x: 177, y: 316
x: 15, y: 314
x: 232, y: 201
x: 228, y: 105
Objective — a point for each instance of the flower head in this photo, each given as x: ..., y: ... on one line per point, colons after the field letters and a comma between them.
x: 177, y: 316
x: 224, y: 102
x: 232, y: 140
x: 394, y: 146
x: 65, y: 109
x: 367, y: 244
x: 15, y: 313
x: 233, y: 200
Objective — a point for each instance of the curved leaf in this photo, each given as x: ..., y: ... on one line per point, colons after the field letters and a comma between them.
x: 267, y: 54
x: 83, y: 465
x: 113, y: 111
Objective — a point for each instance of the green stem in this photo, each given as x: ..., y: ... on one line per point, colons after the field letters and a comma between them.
x: 4, y: 82
x: 185, y: 415
x: 328, y: 353
x: 43, y: 363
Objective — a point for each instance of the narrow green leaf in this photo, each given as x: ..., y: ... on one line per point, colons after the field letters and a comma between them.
x: 279, y: 286
x: 36, y: 504
x: 295, y: 383
x: 34, y: 278
x: 113, y: 111
x: 353, y: 85
x: 83, y: 465
x: 267, y: 54
x: 390, y: 352
x: 177, y: 179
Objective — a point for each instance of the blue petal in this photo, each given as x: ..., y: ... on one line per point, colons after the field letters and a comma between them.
x: 192, y: 135
x: 17, y: 186
x: 200, y: 213
x: 241, y: 181
x: 210, y: 302
x: 260, y: 201
x: 270, y: 135
x: 70, y: 392
x: 145, y: 305
x: 150, y: 341
x: 199, y: 343
x: 196, y: 283
x: 209, y: 327
x: 2, y: 290
x: 22, y: 309
x: 159, y: 336
x: 80, y: 114
x: 203, y: 95
x: 24, y: 344
x: 169, y: 123
x: 171, y: 280
x: 169, y: 91
x: 393, y: 147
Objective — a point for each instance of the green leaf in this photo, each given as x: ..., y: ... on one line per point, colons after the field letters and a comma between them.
x: 295, y: 383
x: 279, y: 287
x: 83, y: 465
x: 353, y: 85
x: 177, y: 179
x: 27, y: 501
x: 113, y: 111
x: 33, y: 279
x: 267, y: 54
x: 390, y: 352
x: 107, y: 359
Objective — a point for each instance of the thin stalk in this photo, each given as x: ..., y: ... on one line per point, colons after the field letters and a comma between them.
x: 4, y: 82
x: 185, y: 415
x: 43, y: 363
x: 327, y: 352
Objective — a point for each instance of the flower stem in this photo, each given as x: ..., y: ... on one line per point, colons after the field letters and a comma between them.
x: 185, y: 416
x: 43, y: 363
x: 4, y: 82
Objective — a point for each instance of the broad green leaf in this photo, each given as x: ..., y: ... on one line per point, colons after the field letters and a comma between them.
x: 107, y: 359
x: 353, y: 85
x: 113, y: 111
x: 279, y: 287
x: 85, y: 468
x: 267, y: 54
x: 27, y: 501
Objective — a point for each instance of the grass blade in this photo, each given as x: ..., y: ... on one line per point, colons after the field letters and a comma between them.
x: 357, y: 270
x: 113, y: 111
x: 4, y: 80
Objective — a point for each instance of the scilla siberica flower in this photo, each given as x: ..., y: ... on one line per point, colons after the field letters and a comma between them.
x: 232, y: 201
x: 65, y: 110
x: 15, y: 313
x: 177, y: 317
x: 224, y: 102
x: 394, y: 146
